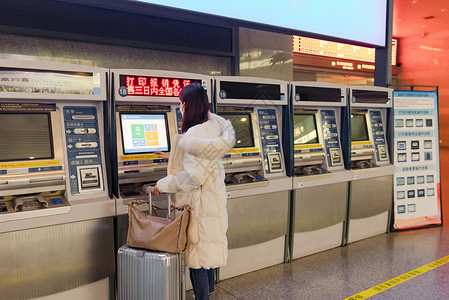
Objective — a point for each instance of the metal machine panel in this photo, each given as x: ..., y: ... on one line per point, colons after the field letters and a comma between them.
x: 310, y: 242
x: 252, y: 258
x: 367, y: 227
x: 47, y: 260
x: 256, y: 219
x: 371, y: 196
x: 319, y: 207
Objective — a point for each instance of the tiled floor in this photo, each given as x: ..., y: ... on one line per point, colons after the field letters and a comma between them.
x: 345, y: 271
x: 342, y: 272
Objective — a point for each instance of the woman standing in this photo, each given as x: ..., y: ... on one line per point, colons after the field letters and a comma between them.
x: 196, y: 177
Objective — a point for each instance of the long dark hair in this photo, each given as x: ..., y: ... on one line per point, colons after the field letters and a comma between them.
x: 196, y: 106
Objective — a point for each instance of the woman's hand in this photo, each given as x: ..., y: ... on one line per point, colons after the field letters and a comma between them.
x: 163, y: 155
x: 156, y: 191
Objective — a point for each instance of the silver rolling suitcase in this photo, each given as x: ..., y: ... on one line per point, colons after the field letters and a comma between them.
x: 150, y: 275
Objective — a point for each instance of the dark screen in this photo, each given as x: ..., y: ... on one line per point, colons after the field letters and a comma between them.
x: 249, y: 90
x: 319, y: 94
x: 244, y: 137
x: 25, y: 136
x: 376, y: 97
x: 305, y: 131
x: 359, y: 131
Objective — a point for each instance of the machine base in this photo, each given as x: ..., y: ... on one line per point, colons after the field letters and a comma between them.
x: 307, y: 243
x: 252, y: 258
x: 360, y: 229
x: 98, y: 290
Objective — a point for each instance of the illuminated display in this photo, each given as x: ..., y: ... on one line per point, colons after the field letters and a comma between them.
x: 318, y: 47
x: 144, y: 133
x: 154, y: 86
x: 394, y: 52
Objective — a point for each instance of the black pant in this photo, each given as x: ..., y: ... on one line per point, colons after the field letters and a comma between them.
x: 203, y: 281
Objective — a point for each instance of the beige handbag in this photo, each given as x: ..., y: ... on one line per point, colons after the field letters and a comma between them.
x: 157, y: 233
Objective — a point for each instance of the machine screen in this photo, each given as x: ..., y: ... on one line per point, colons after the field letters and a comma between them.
x: 305, y: 131
x: 244, y: 137
x: 250, y: 91
x: 144, y: 133
x: 25, y: 136
x: 359, y: 131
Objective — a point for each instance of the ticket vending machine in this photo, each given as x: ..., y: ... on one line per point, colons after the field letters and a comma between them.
x: 320, y: 180
x: 256, y: 181
x: 56, y: 217
x: 144, y: 115
x: 371, y: 187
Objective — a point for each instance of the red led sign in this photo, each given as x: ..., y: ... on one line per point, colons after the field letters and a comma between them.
x: 154, y: 86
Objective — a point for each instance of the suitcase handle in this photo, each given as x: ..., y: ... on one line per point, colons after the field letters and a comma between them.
x: 150, y: 201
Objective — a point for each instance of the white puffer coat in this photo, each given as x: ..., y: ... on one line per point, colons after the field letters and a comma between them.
x: 196, y: 177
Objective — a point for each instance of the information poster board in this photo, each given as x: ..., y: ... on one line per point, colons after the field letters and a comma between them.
x: 416, y: 158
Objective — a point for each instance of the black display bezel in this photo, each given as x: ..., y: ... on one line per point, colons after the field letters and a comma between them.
x: 144, y: 113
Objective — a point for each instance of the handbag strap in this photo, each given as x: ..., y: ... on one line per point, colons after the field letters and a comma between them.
x: 138, y: 202
x: 178, y: 208
x: 182, y: 208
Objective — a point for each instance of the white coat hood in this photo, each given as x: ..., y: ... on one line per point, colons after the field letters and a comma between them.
x: 210, y: 148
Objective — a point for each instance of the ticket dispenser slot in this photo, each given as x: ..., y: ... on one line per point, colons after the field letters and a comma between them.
x: 89, y: 178
x: 335, y: 156
x: 30, y: 203
x: 274, y: 162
